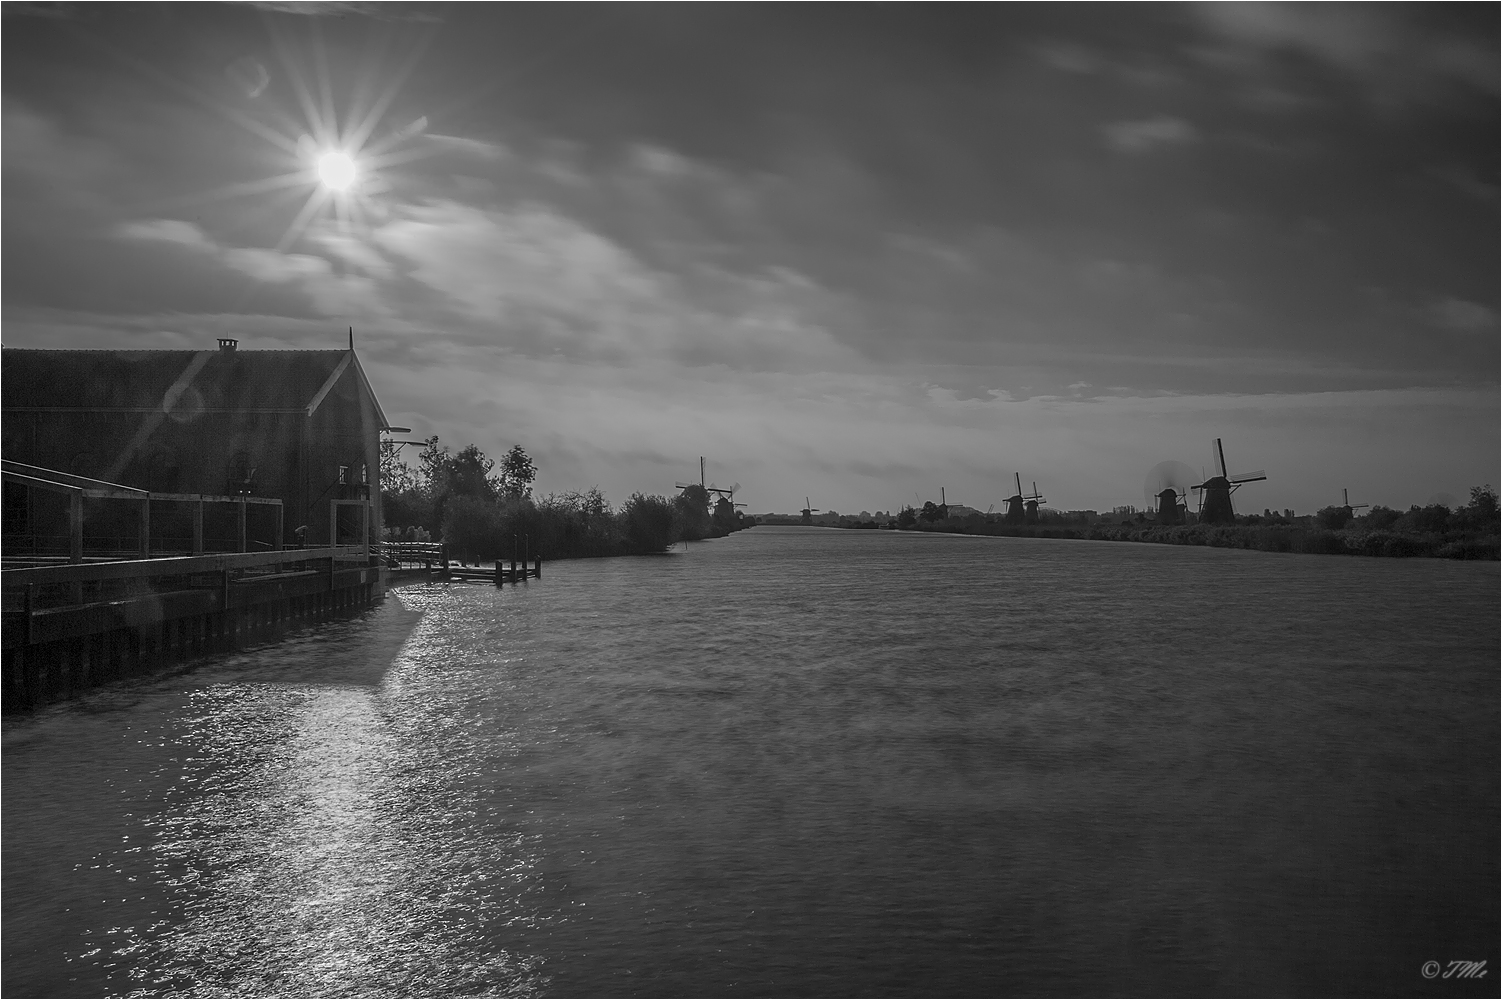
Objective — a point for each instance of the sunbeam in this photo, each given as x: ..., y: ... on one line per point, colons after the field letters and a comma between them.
x: 310, y: 208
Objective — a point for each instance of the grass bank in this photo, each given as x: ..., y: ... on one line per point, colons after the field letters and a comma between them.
x: 1262, y: 538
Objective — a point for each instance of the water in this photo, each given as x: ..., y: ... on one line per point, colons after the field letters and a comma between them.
x: 792, y: 762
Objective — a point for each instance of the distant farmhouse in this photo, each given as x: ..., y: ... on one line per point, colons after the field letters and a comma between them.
x: 300, y: 426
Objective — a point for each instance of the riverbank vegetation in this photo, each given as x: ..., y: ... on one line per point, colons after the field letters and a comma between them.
x: 482, y: 514
x: 1468, y: 532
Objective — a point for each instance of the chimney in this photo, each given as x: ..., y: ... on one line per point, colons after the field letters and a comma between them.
x: 228, y: 344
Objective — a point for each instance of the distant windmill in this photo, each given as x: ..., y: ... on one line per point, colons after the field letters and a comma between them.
x: 1031, y: 501
x: 700, y: 483
x: 1015, y: 503
x: 1345, y: 496
x: 725, y: 494
x: 1215, y: 492
x: 1169, y: 484
x: 943, y: 505
x: 808, y: 512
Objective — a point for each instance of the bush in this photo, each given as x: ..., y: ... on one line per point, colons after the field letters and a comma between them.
x: 1333, y: 518
x: 1433, y: 518
x: 647, y: 523
x: 1380, y: 518
x: 475, y: 529
x: 1484, y: 548
x: 561, y: 526
x: 1323, y: 543
x: 1403, y: 546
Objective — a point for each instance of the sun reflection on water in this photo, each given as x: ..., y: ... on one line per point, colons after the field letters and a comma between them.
x: 315, y: 843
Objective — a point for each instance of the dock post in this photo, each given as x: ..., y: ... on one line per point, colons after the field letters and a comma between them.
x: 498, y: 571
x: 144, y: 541
x: 525, y: 540
x: 240, y: 516
x: 513, y: 558
x: 443, y: 557
x: 537, y: 570
x: 198, y: 526
x: 279, y: 527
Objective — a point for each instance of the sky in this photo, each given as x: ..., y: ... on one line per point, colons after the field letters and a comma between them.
x: 853, y: 253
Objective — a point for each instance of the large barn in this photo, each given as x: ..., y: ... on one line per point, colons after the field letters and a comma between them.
x: 300, y: 426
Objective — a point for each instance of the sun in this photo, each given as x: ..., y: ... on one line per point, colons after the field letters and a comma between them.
x: 337, y: 170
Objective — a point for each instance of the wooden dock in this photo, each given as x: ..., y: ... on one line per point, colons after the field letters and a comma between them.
x: 433, y: 560
x: 70, y: 627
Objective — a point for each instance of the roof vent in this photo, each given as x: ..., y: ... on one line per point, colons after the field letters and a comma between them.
x: 228, y: 343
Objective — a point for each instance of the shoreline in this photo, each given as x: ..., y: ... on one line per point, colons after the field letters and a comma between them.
x: 1262, y: 538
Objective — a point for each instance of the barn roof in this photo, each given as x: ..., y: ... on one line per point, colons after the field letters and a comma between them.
x: 148, y: 381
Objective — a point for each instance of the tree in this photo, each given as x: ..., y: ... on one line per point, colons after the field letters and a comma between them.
x: 1484, y: 502
x: 396, y: 475
x: 906, y: 518
x: 692, y: 512
x: 403, y: 503
x: 1381, y: 518
x: 517, y: 473
x: 430, y: 464
x: 467, y: 474
x: 930, y: 511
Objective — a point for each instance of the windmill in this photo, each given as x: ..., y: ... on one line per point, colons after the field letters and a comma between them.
x: 808, y: 512
x: 700, y: 483
x: 1015, y: 502
x: 1169, y: 484
x: 1031, y: 501
x: 943, y: 505
x: 1345, y: 496
x: 1215, y: 492
x: 724, y: 494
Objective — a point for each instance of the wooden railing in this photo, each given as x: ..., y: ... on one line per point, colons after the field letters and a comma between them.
x: 79, y: 488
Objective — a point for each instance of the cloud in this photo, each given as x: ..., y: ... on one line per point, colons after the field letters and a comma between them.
x: 165, y: 231
x: 1465, y: 180
x: 488, y: 151
x: 1463, y: 316
x: 375, y: 11
x: 543, y: 283
x: 1070, y: 58
x: 326, y: 291
x: 1398, y: 58
x: 1141, y: 136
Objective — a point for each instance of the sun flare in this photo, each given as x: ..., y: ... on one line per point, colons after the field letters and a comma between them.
x: 336, y: 170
